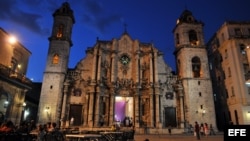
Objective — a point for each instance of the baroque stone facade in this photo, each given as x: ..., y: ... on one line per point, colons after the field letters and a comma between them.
x: 123, y: 78
x: 121, y: 75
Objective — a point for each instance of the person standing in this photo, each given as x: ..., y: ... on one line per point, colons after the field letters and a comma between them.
x: 202, y: 129
x: 197, y: 130
x: 211, y: 130
x: 169, y: 129
x: 206, y: 129
x: 72, y: 121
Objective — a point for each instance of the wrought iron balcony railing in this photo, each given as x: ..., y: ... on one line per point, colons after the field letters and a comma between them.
x: 11, y: 74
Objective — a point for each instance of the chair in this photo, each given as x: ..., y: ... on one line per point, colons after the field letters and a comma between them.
x: 55, y: 136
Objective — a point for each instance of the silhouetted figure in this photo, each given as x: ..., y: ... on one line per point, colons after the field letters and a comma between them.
x: 197, y: 130
x: 169, y: 130
x: 211, y: 129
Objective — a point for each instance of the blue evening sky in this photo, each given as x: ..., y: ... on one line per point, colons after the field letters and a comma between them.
x: 147, y: 20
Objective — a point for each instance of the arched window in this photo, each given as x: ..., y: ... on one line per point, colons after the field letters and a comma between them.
x: 55, y: 59
x: 59, y: 33
x: 192, y: 37
x: 196, y: 66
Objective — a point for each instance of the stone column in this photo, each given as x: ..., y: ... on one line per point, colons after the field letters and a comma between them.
x: 86, y: 107
x: 63, y: 114
x: 138, y: 73
x: 181, y: 98
x: 155, y: 67
x: 106, y: 117
x: 90, y: 108
x: 111, y: 109
x: 99, y: 65
x: 97, y: 91
x: 97, y: 110
x: 157, y: 110
x: 151, y: 68
x: 151, y: 94
x: 112, y: 68
x: 156, y: 91
x: 136, y: 109
x: 151, y: 109
x: 94, y: 64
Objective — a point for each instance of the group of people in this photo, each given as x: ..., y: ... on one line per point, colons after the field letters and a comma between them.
x: 10, y: 131
x: 50, y: 128
x: 25, y: 127
x: 128, y: 122
x: 30, y: 128
x: 203, y: 129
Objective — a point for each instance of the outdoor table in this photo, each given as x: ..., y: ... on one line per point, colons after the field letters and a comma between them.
x: 112, y: 135
x: 33, y: 134
x: 79, y: 137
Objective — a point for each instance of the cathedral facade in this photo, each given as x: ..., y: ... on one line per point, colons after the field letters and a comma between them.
x: 125, y: 78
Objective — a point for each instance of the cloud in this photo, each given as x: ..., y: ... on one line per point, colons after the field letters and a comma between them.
x: 5, y: 7
x: 22, y: 15
x: 96, y: 16
x: 34, y: 14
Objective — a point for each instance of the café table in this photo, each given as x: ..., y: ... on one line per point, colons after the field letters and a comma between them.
x: 79, y: 137
x: 112, y: 135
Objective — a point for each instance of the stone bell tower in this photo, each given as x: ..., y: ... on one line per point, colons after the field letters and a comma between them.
x: 193, y: 70
x: 56, y: 66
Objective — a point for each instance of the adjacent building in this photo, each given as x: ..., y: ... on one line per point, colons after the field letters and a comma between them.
x: 14, y: 85
x: 229, y: 57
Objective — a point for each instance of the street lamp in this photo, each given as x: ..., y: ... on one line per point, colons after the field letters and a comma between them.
x: 12, y: 40
x: 47, y: 110
x: 23, y: 111
x: 6, y: 103
x: 24, y: 104
x: 203, y: 112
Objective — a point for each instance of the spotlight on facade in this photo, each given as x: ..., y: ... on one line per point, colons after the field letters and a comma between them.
x: 203, y: 112
x: 47, y: 109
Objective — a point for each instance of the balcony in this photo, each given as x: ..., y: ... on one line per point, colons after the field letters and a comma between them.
x: 6, y: 72
x: 233, y: 36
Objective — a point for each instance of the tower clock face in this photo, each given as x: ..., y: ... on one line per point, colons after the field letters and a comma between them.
x: 124, y: 59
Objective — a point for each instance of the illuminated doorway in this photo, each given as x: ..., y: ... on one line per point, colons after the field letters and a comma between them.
x: 124, y: 107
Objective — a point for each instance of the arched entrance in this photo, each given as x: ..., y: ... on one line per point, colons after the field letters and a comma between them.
x: 124, y: 108
x: 4, y: 103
